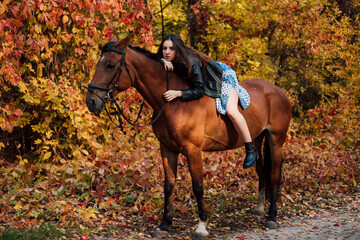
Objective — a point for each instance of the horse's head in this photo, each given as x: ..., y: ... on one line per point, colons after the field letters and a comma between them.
x: 111, y: 75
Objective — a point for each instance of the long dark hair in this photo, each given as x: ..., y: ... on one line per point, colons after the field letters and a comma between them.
x: 183, y: 53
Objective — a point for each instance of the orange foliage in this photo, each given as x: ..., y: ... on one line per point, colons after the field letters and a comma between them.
x: 49, y: 50
x: 60, y: 163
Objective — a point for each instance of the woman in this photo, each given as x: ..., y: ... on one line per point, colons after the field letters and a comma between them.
x: 213, y: 79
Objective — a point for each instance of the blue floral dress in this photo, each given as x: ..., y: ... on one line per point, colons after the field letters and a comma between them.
x: 230, y: 81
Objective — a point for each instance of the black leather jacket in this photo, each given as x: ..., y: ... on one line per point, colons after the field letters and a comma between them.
x: 203, y: 80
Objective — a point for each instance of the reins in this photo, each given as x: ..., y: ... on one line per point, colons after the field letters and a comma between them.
x: 109, y: 92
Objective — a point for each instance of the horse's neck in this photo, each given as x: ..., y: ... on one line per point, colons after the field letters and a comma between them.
x: 150, y: 79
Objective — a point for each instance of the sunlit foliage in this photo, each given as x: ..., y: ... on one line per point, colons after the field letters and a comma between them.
x: 60, y: 163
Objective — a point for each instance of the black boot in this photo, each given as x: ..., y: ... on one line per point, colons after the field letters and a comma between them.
x: 251, y: 155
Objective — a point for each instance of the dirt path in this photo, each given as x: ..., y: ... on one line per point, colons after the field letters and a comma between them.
x: 335, y: 225
x: 340, y: 220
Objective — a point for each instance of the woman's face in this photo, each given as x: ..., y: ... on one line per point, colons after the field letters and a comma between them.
x: 168, y: 50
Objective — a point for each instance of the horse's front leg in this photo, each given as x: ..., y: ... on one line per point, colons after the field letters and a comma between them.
x: 170, y: 169
x: 196, y: 170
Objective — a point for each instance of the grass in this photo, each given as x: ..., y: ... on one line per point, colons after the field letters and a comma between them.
x: 47, y: 231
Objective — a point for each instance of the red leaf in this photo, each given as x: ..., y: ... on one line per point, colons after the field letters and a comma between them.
x: 80, y: 20
x: 8, y: 126
x: 17, y: 23
x: 139, y: 15
x: 315, y: 228
x: 30, y: 41
x: 15, y: 10
x: 109, y: 32
x: 18, y: 112
x: 336, y: 225
x: 85, y: 237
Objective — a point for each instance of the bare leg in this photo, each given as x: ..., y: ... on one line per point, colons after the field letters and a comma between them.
x: 241, y: 127
x: 236, y: 117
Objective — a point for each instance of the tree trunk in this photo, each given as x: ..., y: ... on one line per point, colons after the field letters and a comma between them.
x: 192, y: 24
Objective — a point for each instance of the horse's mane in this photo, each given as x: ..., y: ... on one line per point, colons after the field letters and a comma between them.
x: 145, y: 52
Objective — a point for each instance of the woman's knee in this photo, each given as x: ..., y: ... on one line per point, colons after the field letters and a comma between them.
x: 232, y: 111
x: 232, y: 105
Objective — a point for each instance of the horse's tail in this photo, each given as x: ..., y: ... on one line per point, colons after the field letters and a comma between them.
x: 267, y: 171
x: 262, y: 143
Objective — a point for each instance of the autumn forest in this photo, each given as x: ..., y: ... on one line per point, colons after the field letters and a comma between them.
x: 68, y: 173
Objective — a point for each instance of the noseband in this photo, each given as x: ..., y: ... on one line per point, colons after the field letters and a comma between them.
x: 109, y: 92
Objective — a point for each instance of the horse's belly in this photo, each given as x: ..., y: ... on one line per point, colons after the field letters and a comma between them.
x: 220, y: 135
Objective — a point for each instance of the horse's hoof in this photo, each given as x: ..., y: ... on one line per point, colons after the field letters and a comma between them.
x: 271, y: 224
x: 200, y: 235
x: 257, y: 212
x: 159, y: 234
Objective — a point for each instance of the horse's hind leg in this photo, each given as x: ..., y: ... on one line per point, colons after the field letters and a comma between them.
x: 259, y: 210
x: 170, y: 169
x: 276, y: 143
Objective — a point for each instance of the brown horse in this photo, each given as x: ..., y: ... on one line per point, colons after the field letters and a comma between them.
x: 195, y: 126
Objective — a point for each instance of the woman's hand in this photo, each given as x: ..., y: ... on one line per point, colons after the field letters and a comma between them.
x: 172, y: 94
x: 167, y: 65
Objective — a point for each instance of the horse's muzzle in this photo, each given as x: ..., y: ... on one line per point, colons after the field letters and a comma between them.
x: 94, y: 104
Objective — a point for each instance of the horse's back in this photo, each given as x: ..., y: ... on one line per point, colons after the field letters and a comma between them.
x: 278, y: 105
x: 269, y: 109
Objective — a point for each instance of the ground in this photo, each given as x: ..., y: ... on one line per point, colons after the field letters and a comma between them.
x: 341, y: 220
x: 330, y: 225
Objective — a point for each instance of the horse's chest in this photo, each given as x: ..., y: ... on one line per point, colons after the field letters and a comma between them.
x: 177, y: 134
x: 165, y: 135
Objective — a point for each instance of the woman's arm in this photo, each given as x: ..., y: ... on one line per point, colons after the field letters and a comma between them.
x: 172, y: 94
x: 196, y: 90
x: 167, y: 65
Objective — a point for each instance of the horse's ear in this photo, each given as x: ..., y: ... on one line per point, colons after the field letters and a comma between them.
x: 114, y: 38
x: 125, y: 42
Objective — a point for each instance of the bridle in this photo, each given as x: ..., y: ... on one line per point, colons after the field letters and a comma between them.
x: 109, y: 92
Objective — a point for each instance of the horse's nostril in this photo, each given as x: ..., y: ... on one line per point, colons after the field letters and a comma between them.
x: 92, y: 103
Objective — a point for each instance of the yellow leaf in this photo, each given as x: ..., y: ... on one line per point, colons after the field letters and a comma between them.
x: 3, y: 8
x: 83, y: 150
x: 103, y: 205
x: 29, y: 66
x: 15, y: 174
x: 37, y: 29
x: 40, y: 70
x: 18, y: 206
x: 47, y: 155
x: 77, y: 154
x: 22, y: 86
x: 48, y: 134
x: 65, y: 19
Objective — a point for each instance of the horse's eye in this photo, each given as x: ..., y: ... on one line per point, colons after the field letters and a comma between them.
x: 110, y: 66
